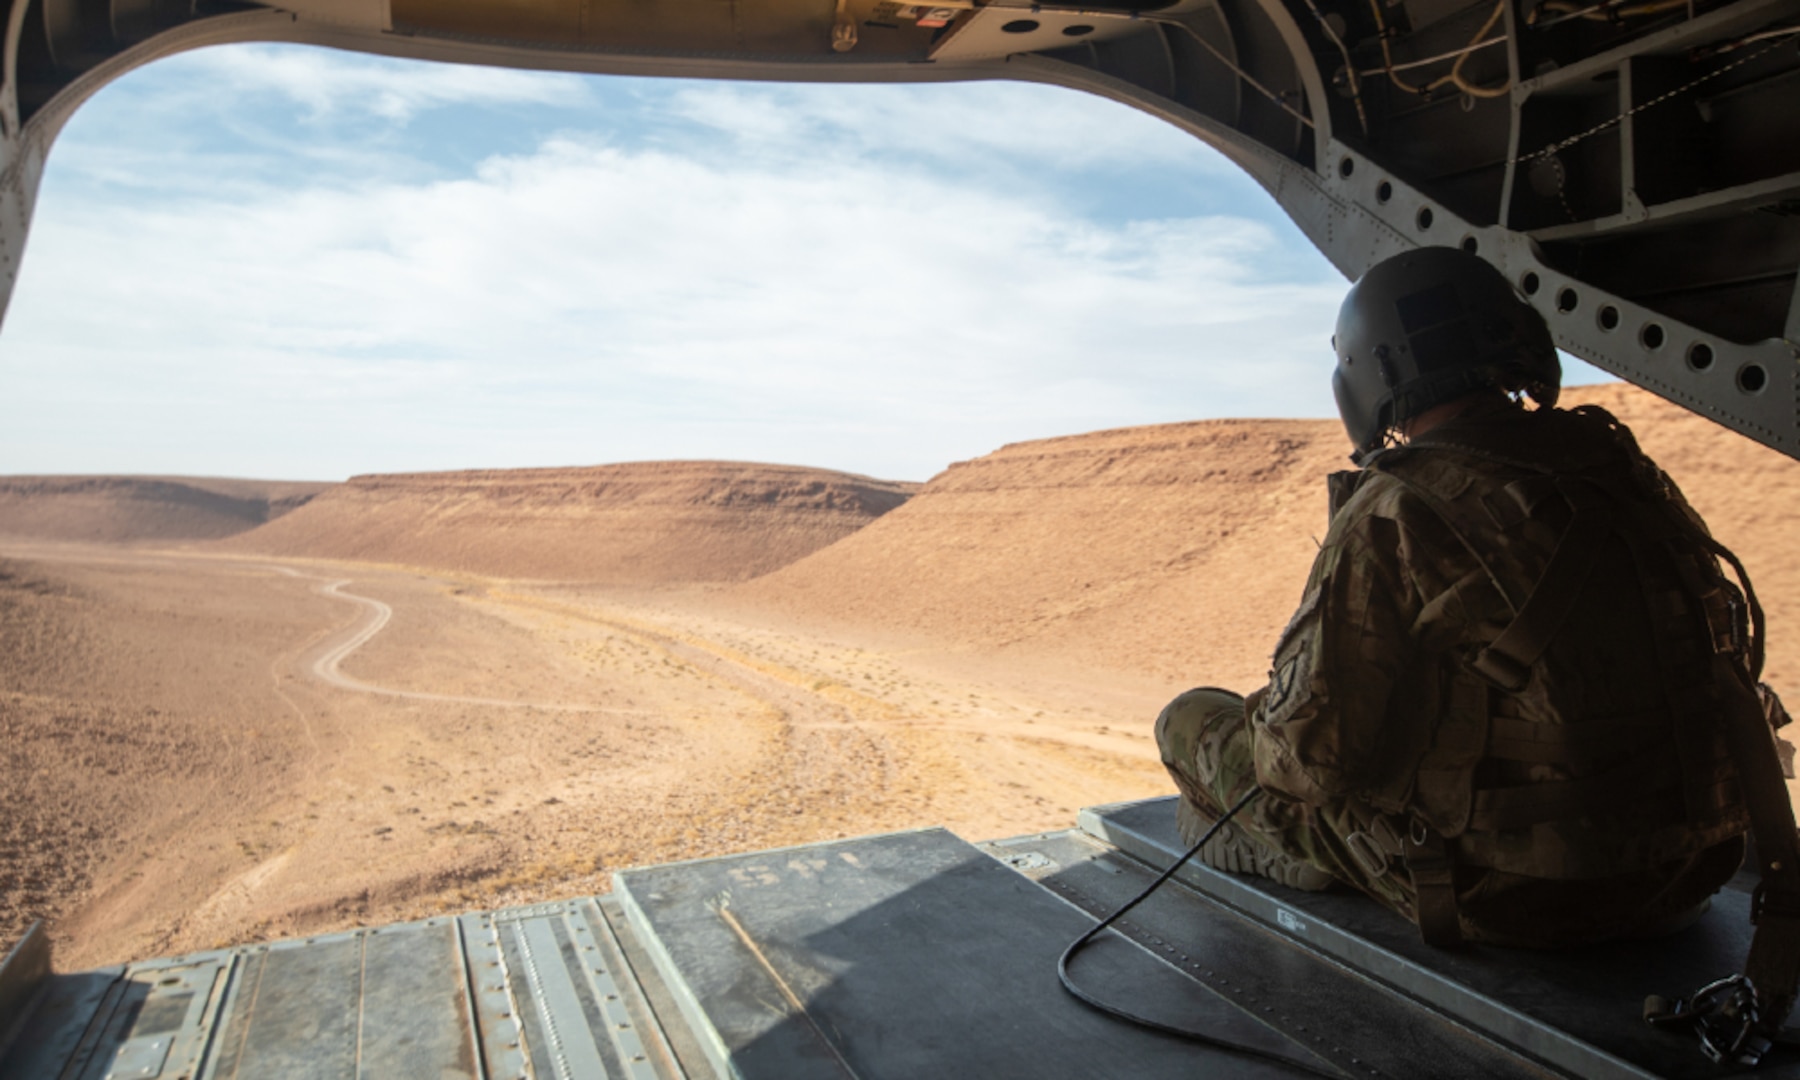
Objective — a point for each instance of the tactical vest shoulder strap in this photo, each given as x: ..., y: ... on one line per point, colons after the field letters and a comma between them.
x: 1433, y: 872
x: 1508, y: 660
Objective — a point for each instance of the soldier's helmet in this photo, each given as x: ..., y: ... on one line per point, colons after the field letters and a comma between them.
x: 1429, y: 326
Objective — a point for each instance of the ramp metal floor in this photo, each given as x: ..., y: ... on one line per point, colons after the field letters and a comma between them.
x: 1577, y: 1009
x: 907, y: 955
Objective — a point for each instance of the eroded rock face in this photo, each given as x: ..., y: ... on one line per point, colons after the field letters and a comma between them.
x: 644, y: 523
x: 142, y: 509
x: 1175, y: 548
x: 1179, y: 550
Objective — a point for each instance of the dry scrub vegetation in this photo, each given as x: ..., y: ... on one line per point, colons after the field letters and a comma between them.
x: 679, y: 661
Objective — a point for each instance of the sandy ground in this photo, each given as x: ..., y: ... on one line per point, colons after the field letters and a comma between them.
x: 193, y: 756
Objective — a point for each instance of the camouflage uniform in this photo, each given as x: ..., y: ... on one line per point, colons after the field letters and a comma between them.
x: 1588, y: 797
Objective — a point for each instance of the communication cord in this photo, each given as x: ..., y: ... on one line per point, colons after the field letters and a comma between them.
x: 1092, y: 1002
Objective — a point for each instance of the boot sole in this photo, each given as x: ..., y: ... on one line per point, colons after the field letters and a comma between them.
x: 1235, y: 852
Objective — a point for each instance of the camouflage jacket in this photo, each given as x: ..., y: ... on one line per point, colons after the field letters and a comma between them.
x: 1372, y: 698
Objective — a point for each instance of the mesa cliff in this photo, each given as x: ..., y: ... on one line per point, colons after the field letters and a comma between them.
x: 142, y: 509
x: 642, y: 523
x: 1174, y: 549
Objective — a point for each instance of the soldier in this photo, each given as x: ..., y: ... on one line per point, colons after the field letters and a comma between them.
x: 1497, y: 708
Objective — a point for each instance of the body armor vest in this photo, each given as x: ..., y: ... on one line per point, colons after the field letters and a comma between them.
x: 1580, y: 731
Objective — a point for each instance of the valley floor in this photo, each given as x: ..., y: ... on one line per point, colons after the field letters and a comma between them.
x: 201, y: 749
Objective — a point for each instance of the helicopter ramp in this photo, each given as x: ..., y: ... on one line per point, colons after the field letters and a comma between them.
x: 913, y: 954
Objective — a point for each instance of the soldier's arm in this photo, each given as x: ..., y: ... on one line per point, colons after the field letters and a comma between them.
x: 1320, y: 727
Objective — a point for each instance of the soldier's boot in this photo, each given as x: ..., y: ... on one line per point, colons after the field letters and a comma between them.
x: 1237, y: 852
x: 1206, y: 748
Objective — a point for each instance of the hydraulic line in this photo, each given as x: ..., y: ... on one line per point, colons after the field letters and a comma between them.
x: 1235, y: 70
x: 1733, y: 46
x: 1605, y: 11
x: 1387, y: 55
x: 1455, y: 76
x: 1352, y: 78
x: 1438, y: 59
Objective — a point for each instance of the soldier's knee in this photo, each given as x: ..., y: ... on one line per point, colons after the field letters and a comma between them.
x: 1185, y: 722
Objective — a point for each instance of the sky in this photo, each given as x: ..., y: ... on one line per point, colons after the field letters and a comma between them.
x: 288, y: 262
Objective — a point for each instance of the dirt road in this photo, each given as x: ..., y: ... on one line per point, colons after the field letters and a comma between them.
x: 204, y: 749
x: 327, y: 665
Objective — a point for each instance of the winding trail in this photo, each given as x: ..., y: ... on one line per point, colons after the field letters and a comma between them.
x: 326, y: 667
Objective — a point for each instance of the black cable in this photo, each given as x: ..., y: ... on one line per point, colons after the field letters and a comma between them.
x: 1062, y: 968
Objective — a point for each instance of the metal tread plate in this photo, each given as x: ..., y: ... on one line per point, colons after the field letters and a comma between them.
x: 907, y: 955
x: 521, y: 994
x: 654, y: 1004
x: 1362, y: 1026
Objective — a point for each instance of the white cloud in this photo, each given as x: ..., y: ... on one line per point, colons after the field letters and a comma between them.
x: 977, y: 127
x: 328, y: 82
x: 878, y: 308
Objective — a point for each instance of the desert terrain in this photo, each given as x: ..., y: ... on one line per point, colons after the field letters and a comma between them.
x: 664, y: 523
x: 436, y: 692
x: 139, y: 510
